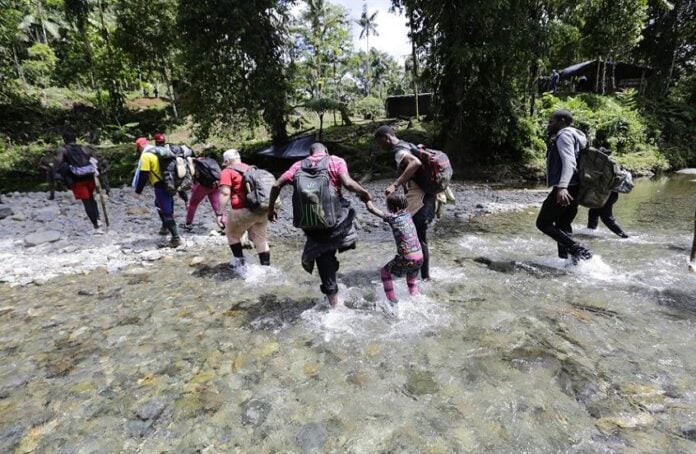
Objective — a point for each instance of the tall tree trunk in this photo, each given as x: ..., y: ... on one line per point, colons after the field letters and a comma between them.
x: 20, y: 72
x: 167, y: 74
x: 415, y: 64
x: 534, y: 89
x: 367, y: 65
x: 599, y: 67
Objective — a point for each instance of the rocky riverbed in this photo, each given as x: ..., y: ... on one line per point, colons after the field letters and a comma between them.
x: 41, y: 239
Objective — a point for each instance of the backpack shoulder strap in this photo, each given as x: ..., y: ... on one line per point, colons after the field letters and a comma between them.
x: 239, y: 169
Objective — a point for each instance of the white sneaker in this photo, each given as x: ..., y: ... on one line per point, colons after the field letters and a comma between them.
x: 388, y: 307
x: 98, y: 231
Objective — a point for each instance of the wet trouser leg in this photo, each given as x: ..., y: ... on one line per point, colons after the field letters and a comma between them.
x: 165, y: 203
x: 422, y: 220
x: 327, y: 265
x: 593, y: 218
x: 92, y: 210
x: 387, y: 283
x: 606, y: 213
x: 104, y: 181
x: 197, y: 193
x: 555, y: 220
x: 50, y: 178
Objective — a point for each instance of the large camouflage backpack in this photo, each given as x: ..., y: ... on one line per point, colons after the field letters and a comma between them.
x: 598, y: 176
x: 176, y: 165
x: 316, y: 205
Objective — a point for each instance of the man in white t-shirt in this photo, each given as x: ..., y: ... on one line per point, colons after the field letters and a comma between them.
x: 421, y: 205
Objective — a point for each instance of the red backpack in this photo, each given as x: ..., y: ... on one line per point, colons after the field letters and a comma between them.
x: 435, y: 172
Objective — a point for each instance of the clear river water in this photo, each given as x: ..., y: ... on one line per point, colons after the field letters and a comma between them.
x: 518, y: 354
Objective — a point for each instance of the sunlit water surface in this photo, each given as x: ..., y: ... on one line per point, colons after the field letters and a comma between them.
x: 527, y: 355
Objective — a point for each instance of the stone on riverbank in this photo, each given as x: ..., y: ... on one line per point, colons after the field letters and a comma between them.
x: 311, y: 437
x: 48, y: 236
x: 255, y: 412
x: 5, y: 212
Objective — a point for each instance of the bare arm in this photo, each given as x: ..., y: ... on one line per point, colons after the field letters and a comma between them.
x: 374, y: 210
x: 275, y: 193
x: 354, y: 187
x: 412, y: 166
x: 225, y: 193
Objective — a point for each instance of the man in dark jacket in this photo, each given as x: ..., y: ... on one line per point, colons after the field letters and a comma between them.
x: 561, y: 206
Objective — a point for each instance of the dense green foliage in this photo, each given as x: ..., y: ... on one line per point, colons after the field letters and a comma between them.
x: 250, y: 70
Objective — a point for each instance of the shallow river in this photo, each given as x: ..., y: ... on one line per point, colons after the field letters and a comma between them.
x: 522, y: 355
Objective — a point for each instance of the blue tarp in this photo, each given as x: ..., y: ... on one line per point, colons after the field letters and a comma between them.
x: 295, y: 149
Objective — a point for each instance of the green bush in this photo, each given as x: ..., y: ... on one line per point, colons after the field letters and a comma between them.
x: 369, y: 108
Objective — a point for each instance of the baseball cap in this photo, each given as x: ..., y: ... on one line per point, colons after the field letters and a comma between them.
x: 160, y: 137
x: 140, y: 143
x: 231, y: 155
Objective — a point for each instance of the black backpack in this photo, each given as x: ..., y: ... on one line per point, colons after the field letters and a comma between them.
x: 207, y: 171
x: 78, y: 160
x: 316, y: 205
x: 257, y: 186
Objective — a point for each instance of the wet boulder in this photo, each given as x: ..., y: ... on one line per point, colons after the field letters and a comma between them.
x: 48, y: 236
x: 5, y: 212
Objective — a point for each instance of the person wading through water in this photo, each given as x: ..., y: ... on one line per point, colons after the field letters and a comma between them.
x: 73, y: 162
x: 561, y: 206
x: 320, y: 210
x: 241, y: 217
x: 149, y: 172
x: 421, y: 205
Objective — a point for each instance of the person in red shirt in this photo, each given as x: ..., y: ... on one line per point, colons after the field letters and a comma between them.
x: 321, y: 247
x: 241, y: 219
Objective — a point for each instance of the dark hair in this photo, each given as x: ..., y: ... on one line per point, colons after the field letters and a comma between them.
x: 563, y: 115
x: 396, y: 202
x: 384, y: 131
x: 69, y: 136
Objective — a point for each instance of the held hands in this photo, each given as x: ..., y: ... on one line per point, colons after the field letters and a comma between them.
x: 365, y: 197
x: 272, y: 215
x: 563, y: 198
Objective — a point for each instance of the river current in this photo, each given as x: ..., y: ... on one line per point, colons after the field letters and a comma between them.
x: 508, y: 349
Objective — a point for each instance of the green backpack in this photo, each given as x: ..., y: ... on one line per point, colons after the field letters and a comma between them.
x: 598, y: 176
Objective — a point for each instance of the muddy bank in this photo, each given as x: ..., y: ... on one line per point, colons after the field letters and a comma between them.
x: 41, y: 239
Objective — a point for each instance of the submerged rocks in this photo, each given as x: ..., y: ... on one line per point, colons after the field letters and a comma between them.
x: 48, y: 236
x: 419, y: 383
x: 255, y: 412
x: 311, y: 437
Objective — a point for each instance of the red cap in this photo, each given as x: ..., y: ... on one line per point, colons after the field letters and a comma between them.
x: 140, y: 143
x: 159, y: 137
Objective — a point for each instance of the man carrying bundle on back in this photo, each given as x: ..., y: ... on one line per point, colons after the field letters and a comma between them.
x: 561, y: 205
x: 423, y: 173
x: 74, y: 163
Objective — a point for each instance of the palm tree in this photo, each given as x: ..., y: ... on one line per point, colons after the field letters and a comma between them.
x: 368, y: 24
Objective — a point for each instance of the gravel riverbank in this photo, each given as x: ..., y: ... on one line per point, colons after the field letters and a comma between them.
x: 42, y: 239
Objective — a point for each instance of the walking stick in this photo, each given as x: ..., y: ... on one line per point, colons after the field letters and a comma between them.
x: 101, y: 199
